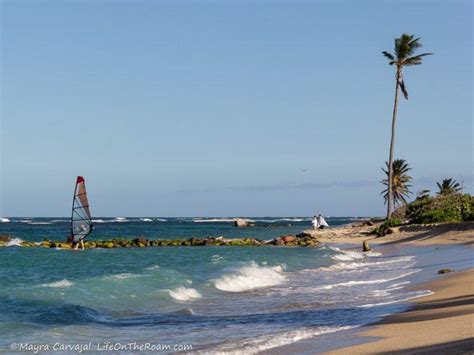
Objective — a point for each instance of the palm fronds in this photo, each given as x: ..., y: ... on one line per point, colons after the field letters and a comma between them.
x: 448, y: 186
x: 400, y: 182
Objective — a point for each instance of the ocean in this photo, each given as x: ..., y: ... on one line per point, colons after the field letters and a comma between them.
x: 204, y: 299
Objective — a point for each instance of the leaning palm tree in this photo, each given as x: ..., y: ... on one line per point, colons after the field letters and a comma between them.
x: 403, y: 56
x: 448, y: 187
x: 400, y: 186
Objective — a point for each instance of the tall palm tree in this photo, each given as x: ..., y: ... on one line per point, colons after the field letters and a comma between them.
x: 448, y: 187
x: 400, y: 186
x: 403, y: 56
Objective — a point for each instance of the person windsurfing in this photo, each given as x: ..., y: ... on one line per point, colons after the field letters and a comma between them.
x: 81, y: 221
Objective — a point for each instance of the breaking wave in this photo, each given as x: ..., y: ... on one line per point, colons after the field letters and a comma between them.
x: 250, y: 277
x: 59, y: 284
x: 153, y: 267
x: 266, y: 342
x: 365, y: 282
x: 406, y: 261
x: 184, y: 294
x: 14, y: 242
x: 122, y: 276
x: 349, y: 255
x: 213, y: 220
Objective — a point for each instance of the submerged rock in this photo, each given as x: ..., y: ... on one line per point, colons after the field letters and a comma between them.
x: 308, y: 234
x: 288, y: 238
x: 5, y: 238
x: 45, y: 244
x: 139, y: 241
x: 366, y: 246
x: 444, y: 271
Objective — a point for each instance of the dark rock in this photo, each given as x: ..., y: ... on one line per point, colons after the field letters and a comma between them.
x: 279, y: 241
x: 239, y: 222
x: 444, y: 271
x: 312, y: 243
x: 307, y: 234
x: 196, y: 241
x: 138, y: 241
x: 365, y: 246
x: 5, y: 238
x: 288, y: 238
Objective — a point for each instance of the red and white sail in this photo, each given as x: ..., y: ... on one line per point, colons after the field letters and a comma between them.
x: 81, y: 221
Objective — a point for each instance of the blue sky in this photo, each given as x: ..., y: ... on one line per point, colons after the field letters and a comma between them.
x: 207, y: 108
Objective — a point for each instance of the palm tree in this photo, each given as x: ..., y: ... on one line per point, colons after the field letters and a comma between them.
x: 448, y: 187
x: 400, y: 182
x: 403, y: 56
x: 422, y: 194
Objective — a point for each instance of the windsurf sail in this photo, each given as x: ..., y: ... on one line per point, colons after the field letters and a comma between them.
x: 81, y: 221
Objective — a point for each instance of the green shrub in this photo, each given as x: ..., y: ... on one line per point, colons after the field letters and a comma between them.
x: 451, y: 208
x: 393, y: 222
x: 384, y: 228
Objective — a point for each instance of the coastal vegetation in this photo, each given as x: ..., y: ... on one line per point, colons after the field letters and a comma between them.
x: 400, y: 186
x: 448, y: 187
x: 454, y: 207
x: 448, y: 205
x: 403, y: 56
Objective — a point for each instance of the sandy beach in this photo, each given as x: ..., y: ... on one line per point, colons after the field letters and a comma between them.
x: 441, y: 323
x: 447, y: 233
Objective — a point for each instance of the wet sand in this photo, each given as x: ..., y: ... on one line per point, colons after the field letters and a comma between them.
x: 441, y: 323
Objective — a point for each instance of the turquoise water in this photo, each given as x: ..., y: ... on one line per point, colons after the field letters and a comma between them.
x: 218, y: 299
x: 37, y: 229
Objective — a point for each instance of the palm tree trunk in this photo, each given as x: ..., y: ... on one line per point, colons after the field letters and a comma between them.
x: 392, y: 146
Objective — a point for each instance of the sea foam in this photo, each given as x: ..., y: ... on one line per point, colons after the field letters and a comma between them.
x: 122, y: 276
x: 405, y: 261
x: 59, y: 284
x: 366, y: 282
x: 14, y: 242
x: 418, y: 295
x: 266, y: 342
x: 184, y: 294
x: 250, y: 277
x: 214, y: 220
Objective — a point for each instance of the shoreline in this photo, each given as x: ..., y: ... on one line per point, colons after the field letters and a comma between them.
x: 442, y: 322
x: 431, y: 234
